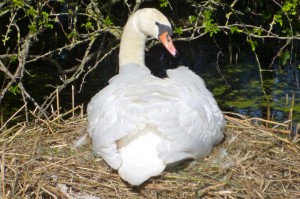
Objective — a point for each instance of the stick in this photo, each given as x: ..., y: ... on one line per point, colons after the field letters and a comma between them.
x: 73, y: 96
x: 57, y: 102
x: 12, y: 117
x: 260, y: 128
x: 2, y: 175
x: 81, y: 111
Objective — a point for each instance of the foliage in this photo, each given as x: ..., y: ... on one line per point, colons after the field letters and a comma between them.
x: 14, y: 90
x: 40, y: 34
x: 107, y: 21
x: 208, y: 23
x: 192, y: 19
x: 252, y: 43
x: 163, y: 3
x: 290, y: 6
x: 179, y: 30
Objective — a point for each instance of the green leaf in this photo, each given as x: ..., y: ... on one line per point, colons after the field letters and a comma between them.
x: 32, y: 12
x: 178, y: 30
x: 14, y: 58
x: 18, y: 3
x: 88, y: 25
x: 107, y: 21
x: 278, y: 19
x: 72, y: 34
x: 14, y: 89
x: 32, y: 28
x: 45, y: 20
x: 252, y: 43
x: 192, y: 19
x: 234, y: 29
x: 257, y: 31
x: 290, y: 6
x: 5, y: 39
x: 163, y: 3
x: 209, y: 24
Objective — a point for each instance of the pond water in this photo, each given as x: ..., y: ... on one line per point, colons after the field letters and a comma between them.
x: 237, y: 87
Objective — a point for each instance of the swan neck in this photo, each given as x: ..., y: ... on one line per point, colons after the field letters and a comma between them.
x: 132, y: 47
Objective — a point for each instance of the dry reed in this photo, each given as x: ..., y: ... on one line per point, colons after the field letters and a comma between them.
x: 39, y: 161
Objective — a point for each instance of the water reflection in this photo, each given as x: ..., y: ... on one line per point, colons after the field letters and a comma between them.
x: 246, y: 96
x: 237, y: 88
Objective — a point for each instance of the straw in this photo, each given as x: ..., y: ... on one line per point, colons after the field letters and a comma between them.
x: 39, y: 161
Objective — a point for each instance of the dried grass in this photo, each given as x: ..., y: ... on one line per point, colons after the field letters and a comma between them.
x: 39, y: 161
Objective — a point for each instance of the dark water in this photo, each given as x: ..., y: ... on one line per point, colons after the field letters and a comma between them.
x: 236, y: 87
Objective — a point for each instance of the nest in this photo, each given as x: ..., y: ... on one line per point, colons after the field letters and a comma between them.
x: 39, y: 161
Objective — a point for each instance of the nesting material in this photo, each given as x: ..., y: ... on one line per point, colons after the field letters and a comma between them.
x: 39, y: 161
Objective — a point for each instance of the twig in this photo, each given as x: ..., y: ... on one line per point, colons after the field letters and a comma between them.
x: 64, y: 114
x: 90, y: 69
x: 217, y: 63
x: 73, y: 100
x: 48, y: 192
x: 57, y: 102
x: 44, y: 121
x: 3, y: 174
x: 59, y: 161
x: 259, y: 128
x: 19, y: 131
x: 266, y: 121
x: 262, y: 84
x: 236, y: 114
x: 279, y: 52
x: 33, y: 101
x: 11, y: 117
x: 136, y: 6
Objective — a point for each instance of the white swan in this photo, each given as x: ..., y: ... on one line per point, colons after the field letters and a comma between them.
x: 139, y: 123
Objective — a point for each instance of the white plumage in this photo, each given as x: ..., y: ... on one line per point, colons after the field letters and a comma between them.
x: 140, y: 123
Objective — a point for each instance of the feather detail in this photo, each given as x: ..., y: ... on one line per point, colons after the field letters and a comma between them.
x: 82, y: 140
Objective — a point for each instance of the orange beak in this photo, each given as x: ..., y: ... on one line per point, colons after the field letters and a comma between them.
x: 167, y: 42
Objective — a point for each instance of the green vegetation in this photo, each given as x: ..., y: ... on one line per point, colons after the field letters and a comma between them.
x: 41, y: 35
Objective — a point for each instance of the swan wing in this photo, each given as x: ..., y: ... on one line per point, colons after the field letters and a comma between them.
x: 193, y: 124
x: 179, y: 108
x: 112, y: 115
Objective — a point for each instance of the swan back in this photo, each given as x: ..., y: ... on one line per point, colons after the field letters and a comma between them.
x: 140, y: 118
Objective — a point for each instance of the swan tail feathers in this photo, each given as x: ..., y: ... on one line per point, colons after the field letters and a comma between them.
x: 140, y: 156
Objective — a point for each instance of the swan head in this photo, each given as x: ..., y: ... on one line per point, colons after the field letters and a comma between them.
x: 153, y: 23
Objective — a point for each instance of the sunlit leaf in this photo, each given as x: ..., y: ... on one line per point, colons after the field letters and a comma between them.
x: 107, y: 21
x: 178, y: 30
x: 163, y: 3
x: 192, y: 19
x: 14, y: 89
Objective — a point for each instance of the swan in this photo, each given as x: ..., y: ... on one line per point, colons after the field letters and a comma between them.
x: 139, y: 123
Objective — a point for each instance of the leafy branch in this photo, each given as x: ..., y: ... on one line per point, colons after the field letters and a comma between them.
x: 31, y: 31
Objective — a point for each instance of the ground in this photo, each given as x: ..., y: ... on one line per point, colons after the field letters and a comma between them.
x: 39, y: 161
